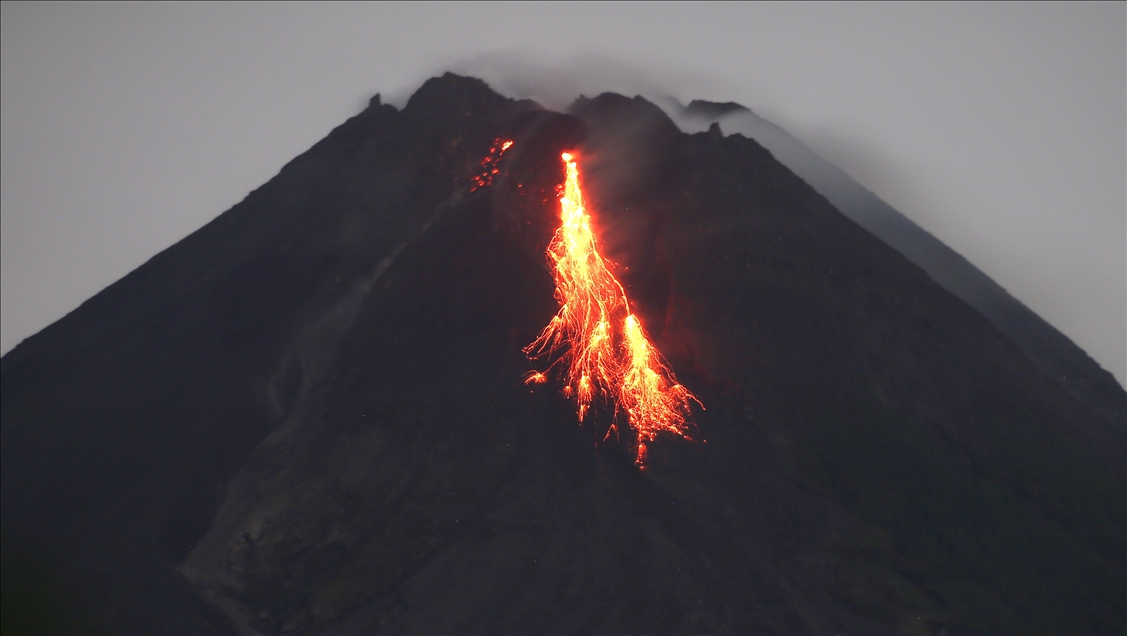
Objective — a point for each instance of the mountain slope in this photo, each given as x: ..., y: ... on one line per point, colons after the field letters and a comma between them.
x: 1048, y: 348
x: 309, y: 416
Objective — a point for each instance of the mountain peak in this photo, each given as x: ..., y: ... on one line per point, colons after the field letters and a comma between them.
x: 309, y: 415
x: 708, y: 110
x: 454, y: 92
x: 634, y: 113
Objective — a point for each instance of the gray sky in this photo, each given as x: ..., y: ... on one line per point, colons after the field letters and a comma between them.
x: 1001, y: 129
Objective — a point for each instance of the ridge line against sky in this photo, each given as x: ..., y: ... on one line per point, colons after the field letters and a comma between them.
x: 1000, y: 128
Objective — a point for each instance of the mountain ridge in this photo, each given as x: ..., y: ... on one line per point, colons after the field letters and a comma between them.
x: 1052, y: 351
x: 322, y: 427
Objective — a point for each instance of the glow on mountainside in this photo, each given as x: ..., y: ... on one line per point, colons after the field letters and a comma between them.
x: 599, y: 346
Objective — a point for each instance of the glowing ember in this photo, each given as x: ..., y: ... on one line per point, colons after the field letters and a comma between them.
x: 489, y: 167
x: 598, y: 360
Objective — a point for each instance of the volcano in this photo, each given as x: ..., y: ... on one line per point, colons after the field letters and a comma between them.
x: 311, y: 415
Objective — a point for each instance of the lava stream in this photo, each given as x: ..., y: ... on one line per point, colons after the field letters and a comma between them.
x: 600, y: 346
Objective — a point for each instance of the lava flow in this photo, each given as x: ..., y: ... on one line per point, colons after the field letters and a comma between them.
x: 602, y: 350
x: 489, y: 167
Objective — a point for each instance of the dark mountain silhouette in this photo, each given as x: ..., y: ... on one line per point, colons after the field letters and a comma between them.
x: 308, y: 416
x: 1052, y: 352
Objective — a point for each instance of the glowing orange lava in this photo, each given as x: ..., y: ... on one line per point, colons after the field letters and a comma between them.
x: 489, y: 164
x: 603, y: 351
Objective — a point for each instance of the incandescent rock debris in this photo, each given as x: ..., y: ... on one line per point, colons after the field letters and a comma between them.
x: 309, y: 416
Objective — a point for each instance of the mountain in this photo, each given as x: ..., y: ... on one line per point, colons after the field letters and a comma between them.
x: 1048, y: 348
x: 309, y: 416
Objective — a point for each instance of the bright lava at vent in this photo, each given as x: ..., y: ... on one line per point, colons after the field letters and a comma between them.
x: 598, y: 346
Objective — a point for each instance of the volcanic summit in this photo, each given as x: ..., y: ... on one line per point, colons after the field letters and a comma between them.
x: 312, y: 415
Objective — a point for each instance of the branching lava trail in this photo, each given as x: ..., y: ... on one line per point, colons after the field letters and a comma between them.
x: 599, y: 346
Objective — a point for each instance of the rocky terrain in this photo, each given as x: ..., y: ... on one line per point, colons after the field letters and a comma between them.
x: 1049, y: 349
x: 308, y: 416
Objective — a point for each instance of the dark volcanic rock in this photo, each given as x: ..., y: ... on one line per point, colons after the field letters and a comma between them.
x: 308, y: 416
x: 1052, y: 351
x: 712, y: 110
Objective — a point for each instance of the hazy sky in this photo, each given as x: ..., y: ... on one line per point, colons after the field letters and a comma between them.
x: 1001, y: 129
